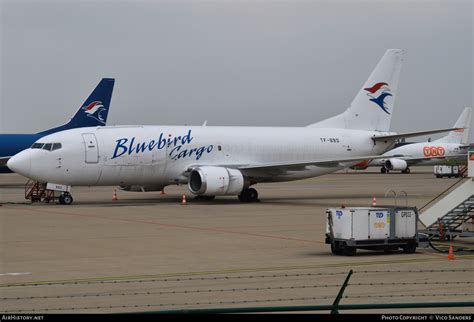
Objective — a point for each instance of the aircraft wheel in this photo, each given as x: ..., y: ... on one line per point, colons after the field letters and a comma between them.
x: 383, y: 170
x: 248, y: 195
x: 66, y: 199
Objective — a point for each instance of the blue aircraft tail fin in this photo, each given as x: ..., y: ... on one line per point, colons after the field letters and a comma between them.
x: 93, y: 112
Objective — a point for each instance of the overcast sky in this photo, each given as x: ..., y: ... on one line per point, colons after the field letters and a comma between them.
x: 269, y: 63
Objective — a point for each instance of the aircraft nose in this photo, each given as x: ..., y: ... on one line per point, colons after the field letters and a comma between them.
x: 20, y: 163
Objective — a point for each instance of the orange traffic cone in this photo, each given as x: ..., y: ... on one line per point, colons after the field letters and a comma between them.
x: 183, y: 202
x: 114, y: 196
x: 451, y: 255
x: 374, y: 201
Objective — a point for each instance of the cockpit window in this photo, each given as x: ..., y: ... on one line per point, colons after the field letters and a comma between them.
x: 47, y: 146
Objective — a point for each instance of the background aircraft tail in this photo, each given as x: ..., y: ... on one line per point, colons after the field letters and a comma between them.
x: 373, y: 106
x: 459, y: 136
x: 93, y: 112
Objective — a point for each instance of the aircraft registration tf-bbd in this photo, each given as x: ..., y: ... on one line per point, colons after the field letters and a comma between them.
x: 217, y: 161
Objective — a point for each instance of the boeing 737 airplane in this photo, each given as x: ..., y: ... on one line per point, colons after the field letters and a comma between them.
x: 217, y: 161
x: 451, y: 148
x: 92, y: 113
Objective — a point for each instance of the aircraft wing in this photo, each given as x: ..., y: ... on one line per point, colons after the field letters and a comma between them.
x: 271, y: 169
x: 393, y: 137
x: 328, y: 163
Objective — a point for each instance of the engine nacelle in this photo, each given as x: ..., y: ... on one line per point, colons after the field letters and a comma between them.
x: 396, y: 164
x: 141, y: 188
x: 215, y: 181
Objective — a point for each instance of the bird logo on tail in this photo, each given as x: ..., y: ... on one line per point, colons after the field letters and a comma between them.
x: 377, y: 93
x: 95, y: 110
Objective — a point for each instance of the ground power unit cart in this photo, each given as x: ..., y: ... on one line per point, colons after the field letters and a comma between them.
x: 385, y: 228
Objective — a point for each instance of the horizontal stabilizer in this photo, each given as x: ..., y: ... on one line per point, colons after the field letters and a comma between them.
x: 394, y: 137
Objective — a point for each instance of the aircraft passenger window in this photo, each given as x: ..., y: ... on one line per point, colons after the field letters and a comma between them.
x: 47, y: 146
x: 56, y: 146
x: 37, y: 145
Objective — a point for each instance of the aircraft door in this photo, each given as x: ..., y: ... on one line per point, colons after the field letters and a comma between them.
x: 91, y: 148
x: 92, y: 169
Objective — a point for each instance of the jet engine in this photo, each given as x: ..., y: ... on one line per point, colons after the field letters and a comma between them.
x: 396, y: 164
x: 141, y: 188
x: 215, y: 181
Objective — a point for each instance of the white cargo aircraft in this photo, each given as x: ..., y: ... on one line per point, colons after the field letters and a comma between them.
x: 451, y: 148
x: 217, y: 161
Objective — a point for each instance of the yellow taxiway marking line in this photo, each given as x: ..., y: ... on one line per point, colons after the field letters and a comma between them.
x: 233, y: 271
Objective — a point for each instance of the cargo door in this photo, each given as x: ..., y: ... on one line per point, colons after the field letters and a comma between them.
x: 379, y: 224
x: 159, y: 160
x: 91, y: 148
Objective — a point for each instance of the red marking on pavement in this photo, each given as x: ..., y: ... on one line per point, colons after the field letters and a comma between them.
x: 217, y: 230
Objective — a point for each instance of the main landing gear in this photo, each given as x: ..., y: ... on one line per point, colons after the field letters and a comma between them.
x: 385, y: 170
x: 65, y: 199
x: 248, y: 195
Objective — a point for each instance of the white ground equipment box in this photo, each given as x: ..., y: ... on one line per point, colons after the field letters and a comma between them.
x: 449, y: 171
x: 374, y: 228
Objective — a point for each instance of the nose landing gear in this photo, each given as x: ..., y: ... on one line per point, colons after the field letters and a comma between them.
x: 65, y: 199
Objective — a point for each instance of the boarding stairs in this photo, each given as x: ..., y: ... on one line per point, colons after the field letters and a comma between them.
x: 446, y: 218
x: 37, y: 192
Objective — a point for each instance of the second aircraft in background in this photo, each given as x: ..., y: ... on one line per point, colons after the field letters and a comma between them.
x: 451, y: 148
